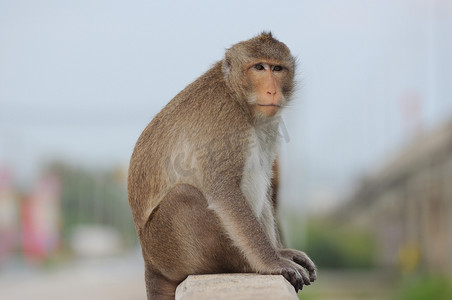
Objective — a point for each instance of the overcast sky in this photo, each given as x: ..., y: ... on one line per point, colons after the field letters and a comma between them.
x: 79, y: 80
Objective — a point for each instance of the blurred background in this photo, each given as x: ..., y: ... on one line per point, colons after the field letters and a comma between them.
x: 366, y: 154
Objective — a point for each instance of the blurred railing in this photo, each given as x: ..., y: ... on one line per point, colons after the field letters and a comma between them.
x: 235, y: 286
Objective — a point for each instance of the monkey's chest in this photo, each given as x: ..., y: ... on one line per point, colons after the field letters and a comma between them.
x: 257, y: 173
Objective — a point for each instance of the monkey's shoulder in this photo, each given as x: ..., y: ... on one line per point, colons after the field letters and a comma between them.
x: 205, y: 104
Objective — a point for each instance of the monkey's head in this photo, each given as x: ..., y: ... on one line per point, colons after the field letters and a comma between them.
x: 261, y: 71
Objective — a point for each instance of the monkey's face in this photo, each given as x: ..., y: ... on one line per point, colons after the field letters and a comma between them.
x: 261, y: 71
x: 266, y: 78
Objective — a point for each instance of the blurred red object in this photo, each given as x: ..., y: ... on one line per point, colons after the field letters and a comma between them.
x: 41, y: 220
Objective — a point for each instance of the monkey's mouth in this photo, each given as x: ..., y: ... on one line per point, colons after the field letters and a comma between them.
x: 274, y: 105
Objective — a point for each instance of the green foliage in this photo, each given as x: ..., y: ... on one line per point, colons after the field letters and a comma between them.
x: 426, y: 288
x: 333, y: 246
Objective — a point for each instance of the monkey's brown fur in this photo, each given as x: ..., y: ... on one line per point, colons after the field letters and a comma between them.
x: 192, y: 173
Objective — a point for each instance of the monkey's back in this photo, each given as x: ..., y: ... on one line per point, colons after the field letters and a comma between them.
x: 180, y: 129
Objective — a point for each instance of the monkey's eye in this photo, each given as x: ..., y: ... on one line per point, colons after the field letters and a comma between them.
x: 259, y: 67
x: 277, y: 68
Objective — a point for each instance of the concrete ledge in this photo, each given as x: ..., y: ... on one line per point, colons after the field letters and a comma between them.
x: 235, y: 286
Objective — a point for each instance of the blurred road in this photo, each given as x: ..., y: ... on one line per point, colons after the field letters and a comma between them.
x: 120, y: 278
x: 351, y: 285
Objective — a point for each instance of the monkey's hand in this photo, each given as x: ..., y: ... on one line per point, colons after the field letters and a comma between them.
x: 301, y: 259
x: 291, y: 271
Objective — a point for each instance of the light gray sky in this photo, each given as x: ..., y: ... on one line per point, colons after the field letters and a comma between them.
x: 79, y: 80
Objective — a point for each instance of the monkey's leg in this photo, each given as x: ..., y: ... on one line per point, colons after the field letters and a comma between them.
x: 183, y: 237
x: 157, y: 286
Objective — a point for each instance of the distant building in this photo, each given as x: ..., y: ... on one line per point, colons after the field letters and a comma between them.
x: 409, y: 205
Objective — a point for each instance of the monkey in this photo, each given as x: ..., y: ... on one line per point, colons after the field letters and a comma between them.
x: 201, y: 174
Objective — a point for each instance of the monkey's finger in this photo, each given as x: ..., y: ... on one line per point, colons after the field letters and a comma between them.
x: 295, y: 279
x: 305, y: 278
x: 307, y: 263
x: 304, y: 261
x: 313, y: 275
x: 300, y: 281
x: 291, y: 276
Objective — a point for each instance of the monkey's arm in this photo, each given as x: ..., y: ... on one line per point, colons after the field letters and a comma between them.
x: 245, y: 231
x: 274, y: 185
